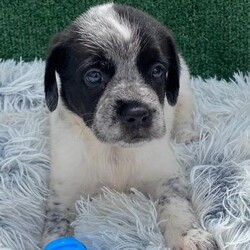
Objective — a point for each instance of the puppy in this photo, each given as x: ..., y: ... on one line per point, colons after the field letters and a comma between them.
x: 118, y: 90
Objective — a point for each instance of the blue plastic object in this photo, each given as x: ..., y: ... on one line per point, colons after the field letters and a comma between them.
x: 68, y: 243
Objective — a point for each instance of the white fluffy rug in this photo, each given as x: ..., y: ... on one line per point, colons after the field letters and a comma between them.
x: 218, y: 165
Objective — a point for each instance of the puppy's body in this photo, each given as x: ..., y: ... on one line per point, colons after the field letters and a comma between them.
x: 95, y: 146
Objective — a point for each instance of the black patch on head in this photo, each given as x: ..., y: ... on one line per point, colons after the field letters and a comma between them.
x: 71, y: 60
x: 156, y: 46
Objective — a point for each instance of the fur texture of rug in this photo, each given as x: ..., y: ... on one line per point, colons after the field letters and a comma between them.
x: 218, y: 166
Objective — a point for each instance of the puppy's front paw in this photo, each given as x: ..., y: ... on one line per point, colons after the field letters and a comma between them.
x: 196, y: 239
x: 190, y: 138
x: 57, y: 224
x: 53, y: 231
x: 186, y: 135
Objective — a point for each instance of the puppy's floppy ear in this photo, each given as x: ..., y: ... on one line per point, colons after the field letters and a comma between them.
x: 54, y: 61
x: 173, y: 75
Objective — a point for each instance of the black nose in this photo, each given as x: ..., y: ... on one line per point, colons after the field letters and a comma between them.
x: 135, y: 115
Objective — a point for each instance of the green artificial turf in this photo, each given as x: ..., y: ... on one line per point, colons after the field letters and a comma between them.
x: 214, y: 35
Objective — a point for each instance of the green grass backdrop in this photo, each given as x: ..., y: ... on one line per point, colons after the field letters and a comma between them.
x: 213, y: 35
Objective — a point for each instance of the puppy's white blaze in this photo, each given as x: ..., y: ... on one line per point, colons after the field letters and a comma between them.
x: 106, y: 11
x: 122, y: 28
x: 101, y: 10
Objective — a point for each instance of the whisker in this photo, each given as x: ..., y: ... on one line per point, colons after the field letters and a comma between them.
x: 82, y: 115
x: 90, y: 120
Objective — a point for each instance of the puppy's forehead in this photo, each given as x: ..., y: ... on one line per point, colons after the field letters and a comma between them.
x: 103, y: 27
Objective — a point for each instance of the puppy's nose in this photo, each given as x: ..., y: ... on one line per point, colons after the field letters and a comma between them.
x: 135, y: 115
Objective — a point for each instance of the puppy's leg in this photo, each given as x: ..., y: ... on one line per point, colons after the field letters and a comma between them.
x: 59, y: 215
x: 177, y: 218
x: 183, y: 128
x: 68, y: 174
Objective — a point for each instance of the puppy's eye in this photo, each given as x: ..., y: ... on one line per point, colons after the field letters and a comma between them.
x: 93, y: 78
x: 158, y: 71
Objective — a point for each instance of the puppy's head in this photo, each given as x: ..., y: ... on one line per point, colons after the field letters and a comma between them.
x: 116, y: 66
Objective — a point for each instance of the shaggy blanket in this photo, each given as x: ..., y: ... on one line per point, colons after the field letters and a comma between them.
x: 218, y: 166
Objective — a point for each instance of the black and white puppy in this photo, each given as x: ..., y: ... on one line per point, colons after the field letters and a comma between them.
x: 118, y: 90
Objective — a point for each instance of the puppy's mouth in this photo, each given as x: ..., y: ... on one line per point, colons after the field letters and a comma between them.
x: 134, y: 141
x: 128, y: 138
x: 137, y: 139
x: 134, y: 136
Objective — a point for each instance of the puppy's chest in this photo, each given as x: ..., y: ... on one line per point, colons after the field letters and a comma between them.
x: 112, y: 167
x: 121, y: 169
